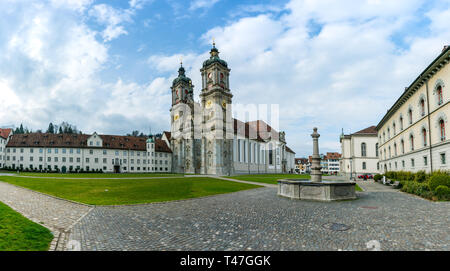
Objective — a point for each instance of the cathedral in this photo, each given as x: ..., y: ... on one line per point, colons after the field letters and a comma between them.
x: 206, y: 139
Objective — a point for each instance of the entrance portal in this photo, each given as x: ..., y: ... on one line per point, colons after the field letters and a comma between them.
x: 116, y: 169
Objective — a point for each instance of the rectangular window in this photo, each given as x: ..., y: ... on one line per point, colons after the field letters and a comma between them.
x: 443, y: 158
x: 425, y: 161
x: 412, y: 162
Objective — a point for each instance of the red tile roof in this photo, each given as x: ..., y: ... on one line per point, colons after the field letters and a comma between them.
x: 368, y: 130
x: 80, y: 141
x: 332, y: 155
x: 257, y: 130
x: 301, y: 161
x: 168, y: 135
x: 5, y: 133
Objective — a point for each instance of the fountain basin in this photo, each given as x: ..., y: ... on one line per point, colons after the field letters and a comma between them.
x: 320, y: 191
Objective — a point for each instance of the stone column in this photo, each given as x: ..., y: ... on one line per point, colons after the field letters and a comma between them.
x: 316, y: 174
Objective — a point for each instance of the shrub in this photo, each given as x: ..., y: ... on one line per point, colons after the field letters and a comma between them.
x: 420, y: 176
x: 442, y: 192
x: 377, y: 177
x: 438, y: 178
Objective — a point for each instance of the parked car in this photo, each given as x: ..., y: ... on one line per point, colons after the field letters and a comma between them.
x: 368, y: 176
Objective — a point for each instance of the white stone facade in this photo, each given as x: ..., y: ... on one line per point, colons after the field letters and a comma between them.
x: 359, y: 153
x: 94, y: 155
x: 413, y: 134
x: 204, y: 137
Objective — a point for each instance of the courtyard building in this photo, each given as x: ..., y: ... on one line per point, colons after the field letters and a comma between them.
x: 301, y: 165
x: 4, y: 137
x: 412, y: 135
x: 333, y: 162
x: 359, y: 153
x: 82, y: 152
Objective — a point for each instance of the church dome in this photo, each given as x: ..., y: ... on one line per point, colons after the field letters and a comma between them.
x: 214, y: 58
x: 181, y: 76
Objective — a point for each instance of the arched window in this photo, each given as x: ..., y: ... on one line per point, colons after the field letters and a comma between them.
x: 363, y: 150
x: 442, y: 128
x: 439, y: 95
x: 389, y: 133
x: 424, y: 134
x: 401, y: 123
x: 411, y: 140
x: 395, y: 149
x: 410, y: 116
x: 422, y: 107
x: 376, y: 149
x: 393, y: 127
x: 402, y: 143
x: 390, y: 152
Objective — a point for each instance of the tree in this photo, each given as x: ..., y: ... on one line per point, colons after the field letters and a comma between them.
x: 51, y: 129
x: 60, y: 131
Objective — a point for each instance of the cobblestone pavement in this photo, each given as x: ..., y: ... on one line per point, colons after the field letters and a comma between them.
x: 55, y: 214
x: 260, y: 220
x: 372, y: 186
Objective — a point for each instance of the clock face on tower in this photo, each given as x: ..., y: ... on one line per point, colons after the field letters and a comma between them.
x: 224, y: 104
x: 208, y: 104
x: 210, y: 76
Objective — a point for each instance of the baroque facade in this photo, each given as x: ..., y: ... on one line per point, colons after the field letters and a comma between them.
x: 205, y: 139
x: 412, y: 135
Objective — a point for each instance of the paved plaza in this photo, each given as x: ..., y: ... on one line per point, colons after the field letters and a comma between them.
x: 254, y: 219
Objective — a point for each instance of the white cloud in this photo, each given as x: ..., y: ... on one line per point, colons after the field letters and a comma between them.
x: 344, y: 76
x: 78, y: 5
x: 202, y: 4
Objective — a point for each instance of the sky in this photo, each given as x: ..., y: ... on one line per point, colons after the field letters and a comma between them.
x: 107, y: 66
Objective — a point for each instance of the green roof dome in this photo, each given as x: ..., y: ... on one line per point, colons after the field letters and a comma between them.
x: 214, y: 58
x: 181, y: 76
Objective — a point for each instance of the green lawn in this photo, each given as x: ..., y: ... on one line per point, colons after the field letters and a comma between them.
x: 269, y: 178
x: 17, y: 233
x: 98, y: 175
x: 128, y: 191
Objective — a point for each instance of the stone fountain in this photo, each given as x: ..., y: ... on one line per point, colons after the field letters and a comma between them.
x: 316, y: 188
